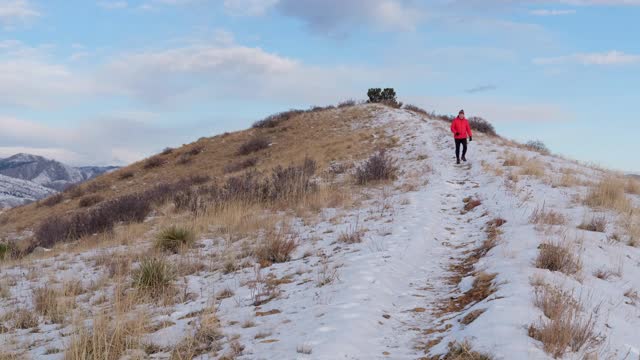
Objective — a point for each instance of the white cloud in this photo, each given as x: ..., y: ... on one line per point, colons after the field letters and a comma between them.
x: 605, y: 58
x: 13, y: 12
x: 248, y: 7
x: 552, y: 12
x: 28, y: 78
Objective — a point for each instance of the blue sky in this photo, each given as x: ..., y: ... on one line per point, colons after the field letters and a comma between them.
x: 112, y: 81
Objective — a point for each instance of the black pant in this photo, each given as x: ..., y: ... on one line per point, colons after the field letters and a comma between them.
x: 464, y: 148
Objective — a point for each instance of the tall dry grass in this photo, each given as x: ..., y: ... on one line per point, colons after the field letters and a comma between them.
x: 609, y: 193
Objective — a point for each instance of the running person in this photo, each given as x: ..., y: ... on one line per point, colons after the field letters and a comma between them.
x: 461, y: 130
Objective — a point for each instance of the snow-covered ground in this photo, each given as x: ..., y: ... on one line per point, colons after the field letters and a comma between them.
x: 383, y: 298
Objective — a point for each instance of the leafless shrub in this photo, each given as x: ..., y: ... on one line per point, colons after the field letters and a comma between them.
x: 380, y: 166
x: 558, y: 257
x: 596, y: 224
x: 154, y: 162
x: 416, y: 109
x: 52, y: 200
x: 352, y: 235
x: 74, y: 191
x: 241, y: 165
x: 90, y: 200
x: 167, y: 151
x: 254, y: 144
x: 276, y: 119
x: 346, y: 103
x: 537, y: 146
x: 126, y: 174
x: 479, y: 124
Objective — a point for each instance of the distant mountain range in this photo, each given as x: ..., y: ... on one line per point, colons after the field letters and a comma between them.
x: 26, y: 177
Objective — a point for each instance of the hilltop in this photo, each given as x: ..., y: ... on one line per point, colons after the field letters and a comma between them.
x: 338, y: 232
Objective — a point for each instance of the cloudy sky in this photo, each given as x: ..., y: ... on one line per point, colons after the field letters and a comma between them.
x: 112, y: 81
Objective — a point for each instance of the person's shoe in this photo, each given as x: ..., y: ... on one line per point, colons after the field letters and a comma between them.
x: 458, y: 162
x: 464, y: 159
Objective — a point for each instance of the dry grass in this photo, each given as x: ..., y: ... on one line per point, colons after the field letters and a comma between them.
x: 470, y: 204
x: 175, y: 238
x: 204, y: 338
x: 277, y: 245
x: 563, y: 328
x: 609, y: 194
x: 512, y: 159
x: 464, y: 351
x: 543, y: 216
x: 632, y: 187
x: 107, y: 338
x: 596, y: 224
x: 352, y: 235
x: 558, y: 257
x: 532, y: 167
x: 154, y: 276
x: 52, y: 304
x: 24, y: 319
x: 631, y: 225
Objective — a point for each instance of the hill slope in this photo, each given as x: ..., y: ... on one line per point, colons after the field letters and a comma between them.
x: 515, y: 254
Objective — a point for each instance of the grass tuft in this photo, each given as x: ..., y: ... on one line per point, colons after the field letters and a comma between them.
x: 174, y: 238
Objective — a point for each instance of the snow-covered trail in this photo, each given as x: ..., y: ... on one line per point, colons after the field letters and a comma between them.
x: 395, y: 289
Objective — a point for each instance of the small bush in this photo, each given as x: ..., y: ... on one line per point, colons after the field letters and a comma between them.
x: 379, y: 166
x: 277, y: 246
x: 90, y: 200
x: 537, y: 146
x: 154, y: 162
x: 253, y: 145
x: 238, y: 166
x: 127, y: 174
x: 482, y: 125
x: 416, y: 109
x: 52, y: 200
x: 558, y: 257
x: 174, y: 238
x: 568, y: 331
x: 195, y: 150
x: 532, y: 167
x: 464, y: 351
x: 596, y: 224
x: 74, y: 191
x: 154, y: 276
x: 167, y: 151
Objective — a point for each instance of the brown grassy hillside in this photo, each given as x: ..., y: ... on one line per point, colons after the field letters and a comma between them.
x: 324, y: 135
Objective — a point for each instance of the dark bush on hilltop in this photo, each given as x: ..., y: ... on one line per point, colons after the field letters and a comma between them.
x: 482, y: 125
x: 538, y: 146
x: 380, y: 166
x: 386, y: 96
x: 253, y: 145
x: 416, y: 109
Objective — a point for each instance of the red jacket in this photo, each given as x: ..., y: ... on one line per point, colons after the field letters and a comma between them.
x: 461, y: 127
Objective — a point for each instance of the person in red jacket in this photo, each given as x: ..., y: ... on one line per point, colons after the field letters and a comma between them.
x: 461, y: 130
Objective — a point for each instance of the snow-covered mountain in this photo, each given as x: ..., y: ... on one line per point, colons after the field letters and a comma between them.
x: 16, y: 192
x: 48, y: 173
